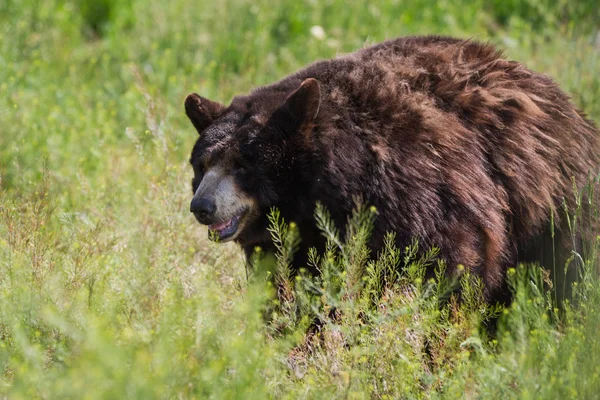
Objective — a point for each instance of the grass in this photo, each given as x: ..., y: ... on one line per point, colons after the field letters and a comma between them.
x: 109, y: 289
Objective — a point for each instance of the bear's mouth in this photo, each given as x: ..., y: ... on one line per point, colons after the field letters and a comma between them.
x: 226, y: 230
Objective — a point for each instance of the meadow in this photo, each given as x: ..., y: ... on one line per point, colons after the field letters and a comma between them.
x: 110, y: 289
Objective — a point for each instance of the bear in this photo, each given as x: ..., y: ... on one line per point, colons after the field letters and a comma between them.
x: 451, y: 142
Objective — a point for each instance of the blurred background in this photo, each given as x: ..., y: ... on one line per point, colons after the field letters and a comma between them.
x: 108, y: 287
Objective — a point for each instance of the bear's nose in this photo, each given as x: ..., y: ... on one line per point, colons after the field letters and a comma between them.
x: 203, y: 207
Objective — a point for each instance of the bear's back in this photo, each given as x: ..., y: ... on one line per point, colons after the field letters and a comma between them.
x: 453, y: 143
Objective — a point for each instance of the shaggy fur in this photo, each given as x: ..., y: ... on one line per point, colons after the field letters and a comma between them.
x: 451, y: 142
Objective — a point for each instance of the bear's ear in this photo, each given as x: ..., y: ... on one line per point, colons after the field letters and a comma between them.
x: 202, y: 111
x: 304, y: 102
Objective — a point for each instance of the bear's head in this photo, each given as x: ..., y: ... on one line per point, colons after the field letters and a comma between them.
x: 250, y: 156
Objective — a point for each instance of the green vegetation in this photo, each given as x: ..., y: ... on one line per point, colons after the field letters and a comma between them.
x: 108, y: 287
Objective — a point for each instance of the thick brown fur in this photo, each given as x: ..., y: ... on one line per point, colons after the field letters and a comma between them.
x: 453, y: 144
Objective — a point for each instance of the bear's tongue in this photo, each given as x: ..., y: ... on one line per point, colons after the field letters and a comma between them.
x: 220, y: 226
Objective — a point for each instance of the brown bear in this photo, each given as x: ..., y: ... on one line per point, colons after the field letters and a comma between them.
x: 452, y: 143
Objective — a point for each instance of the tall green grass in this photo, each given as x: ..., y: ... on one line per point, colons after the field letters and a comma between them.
x: 108, y: 288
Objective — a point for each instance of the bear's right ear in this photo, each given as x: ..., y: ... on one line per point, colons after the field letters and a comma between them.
x: 304, y: 102
x: 202, y: 112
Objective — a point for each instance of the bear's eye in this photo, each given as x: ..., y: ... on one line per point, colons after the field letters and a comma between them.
x: 198, y: 169
x: 239, y: 169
